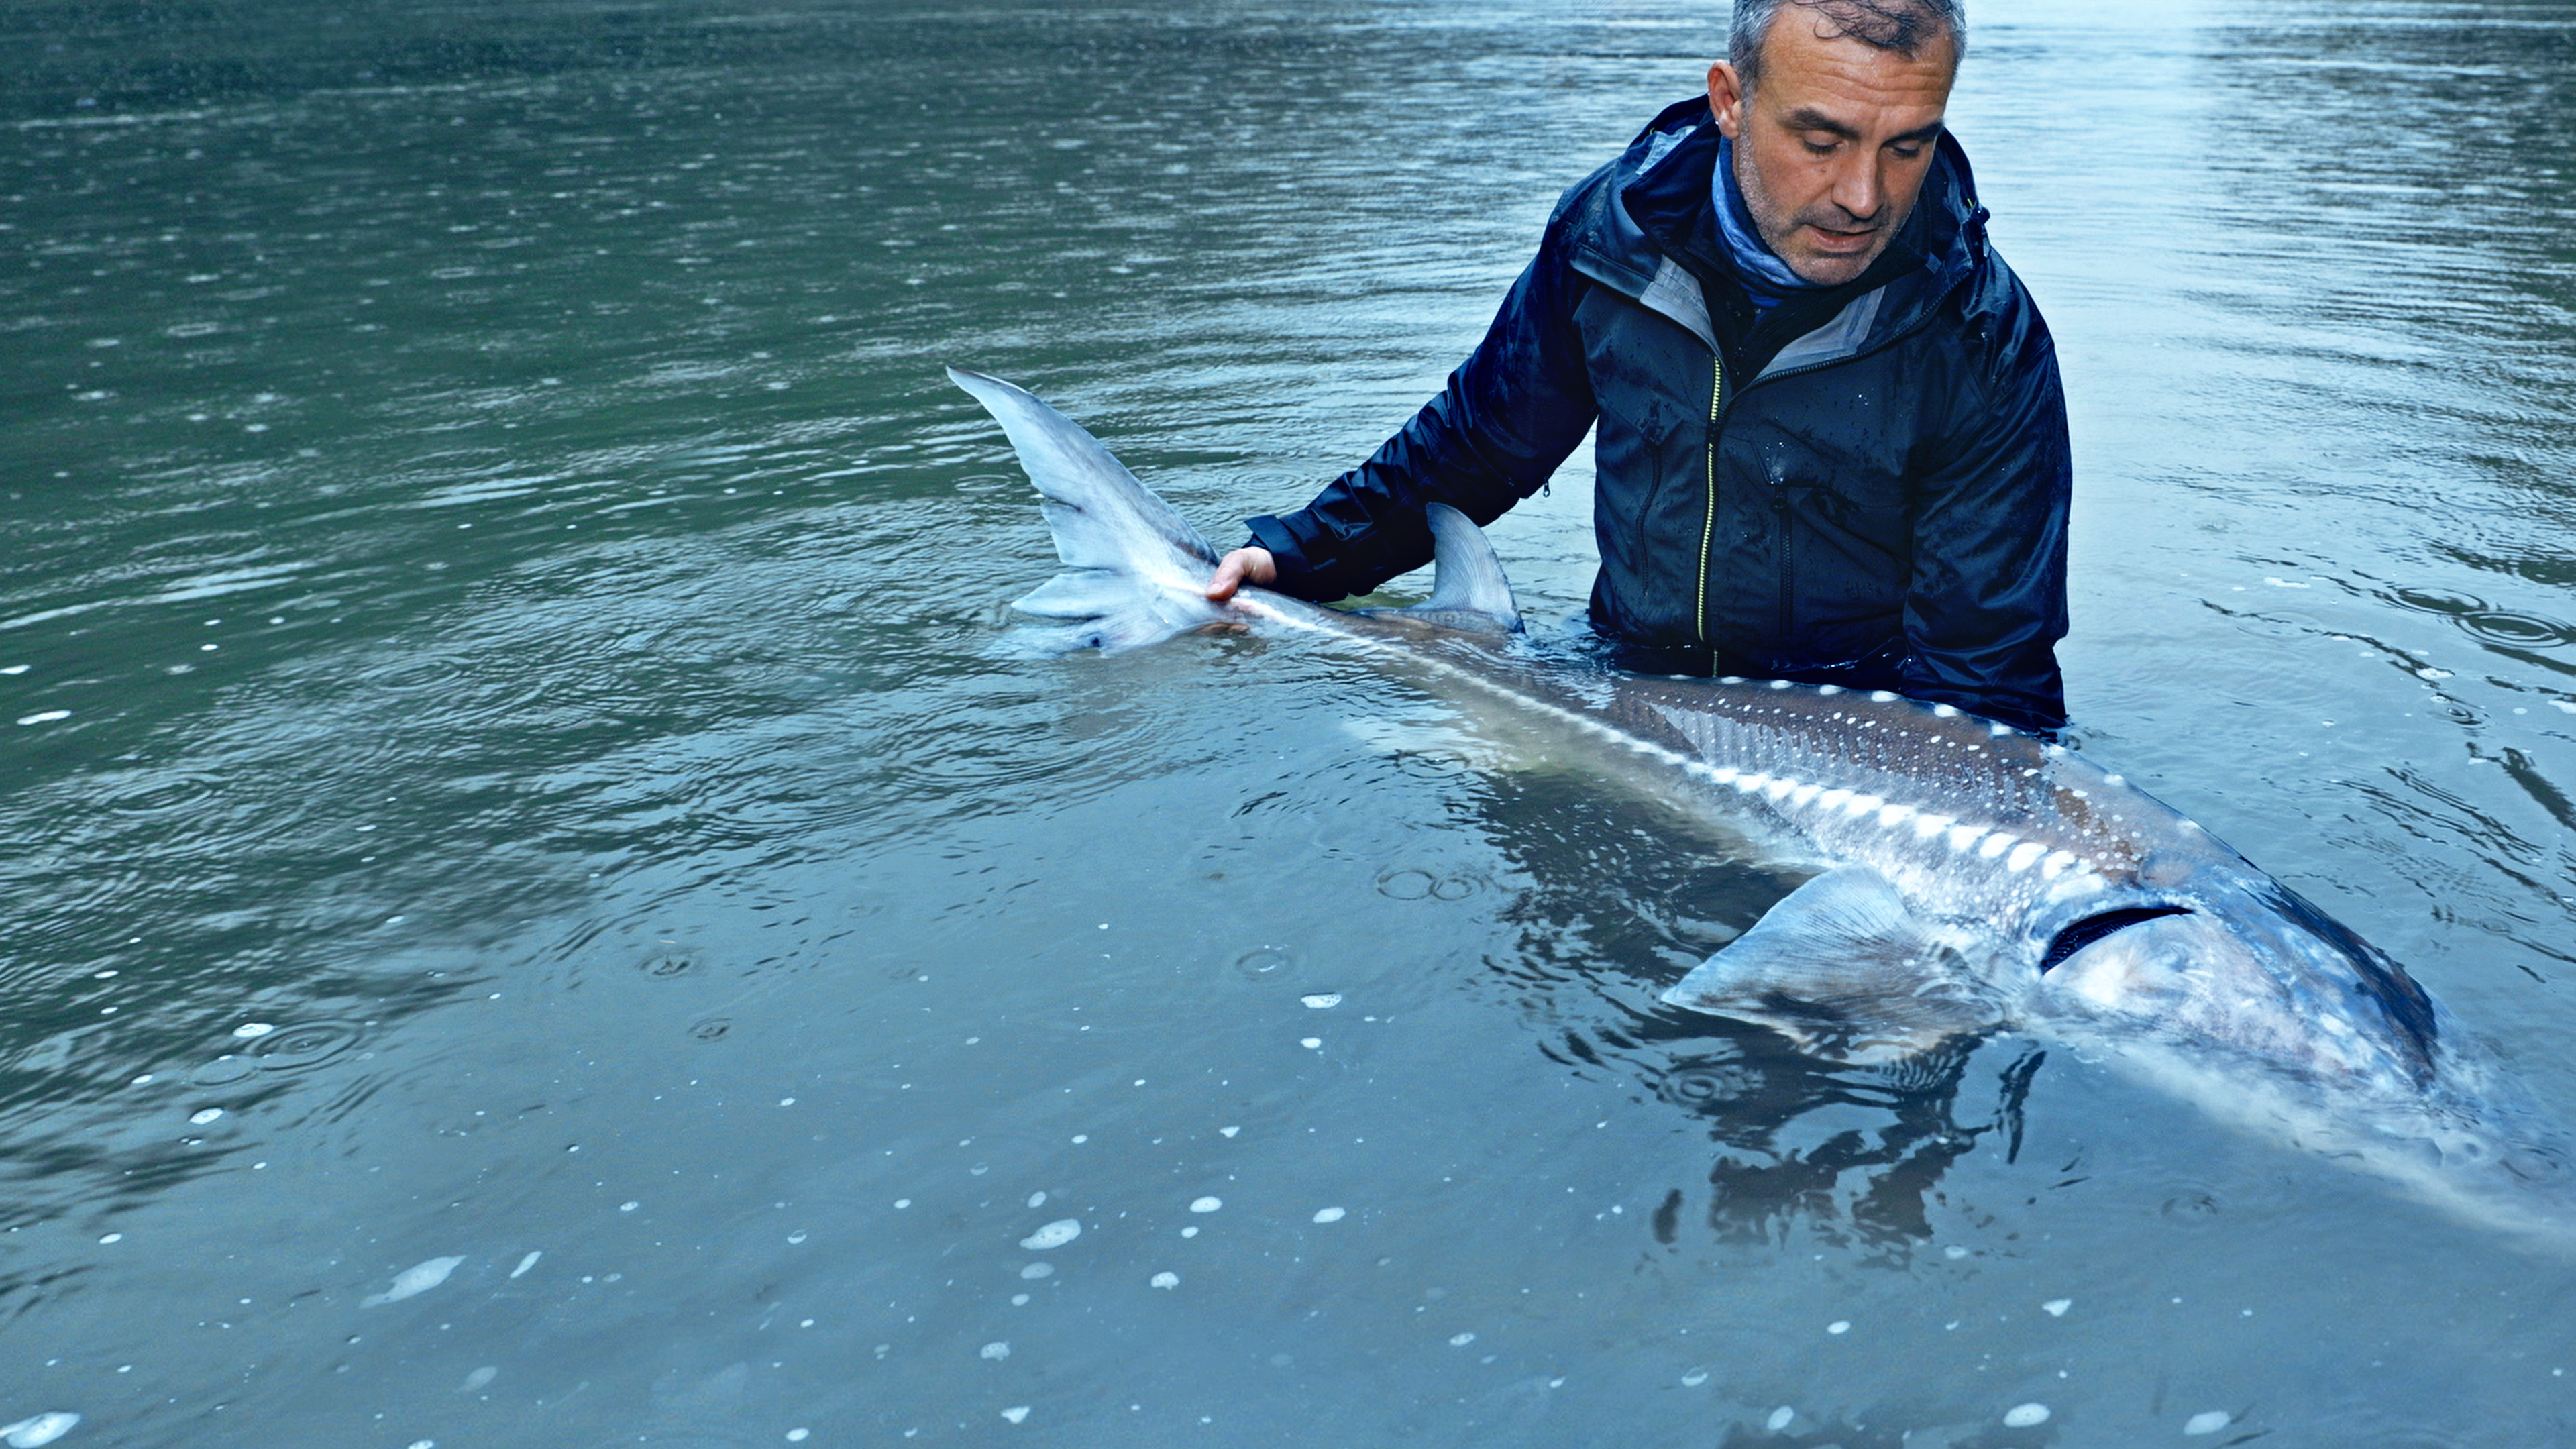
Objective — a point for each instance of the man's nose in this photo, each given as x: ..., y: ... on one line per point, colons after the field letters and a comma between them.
x: 1858, y: 188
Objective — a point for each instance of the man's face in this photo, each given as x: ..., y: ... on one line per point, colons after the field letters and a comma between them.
x: 1832, y: 146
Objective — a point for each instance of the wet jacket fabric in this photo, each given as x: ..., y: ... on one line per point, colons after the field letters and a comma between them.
x: 1865, y: 485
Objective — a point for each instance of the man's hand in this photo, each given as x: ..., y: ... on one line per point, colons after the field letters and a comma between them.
x: 1243, y: 566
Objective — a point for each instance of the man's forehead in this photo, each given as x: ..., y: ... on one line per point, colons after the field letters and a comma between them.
x: 1810, y: 66
x: 1805, y: 37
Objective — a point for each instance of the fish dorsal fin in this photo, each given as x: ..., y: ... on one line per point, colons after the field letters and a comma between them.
x: 1845, y: 970
x: 1467, y: 583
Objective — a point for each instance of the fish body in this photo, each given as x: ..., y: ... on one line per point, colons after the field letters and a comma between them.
x: 1971, y: 877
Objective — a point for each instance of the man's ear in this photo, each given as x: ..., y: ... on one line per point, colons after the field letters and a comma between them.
x: 1726, y: 99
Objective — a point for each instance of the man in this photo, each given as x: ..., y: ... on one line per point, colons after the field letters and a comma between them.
x: 1831, y: 442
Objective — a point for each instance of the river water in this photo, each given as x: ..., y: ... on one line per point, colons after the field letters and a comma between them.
x: 536, y: 914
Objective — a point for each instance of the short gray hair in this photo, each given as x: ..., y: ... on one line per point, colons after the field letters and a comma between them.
x: 1903, y: 26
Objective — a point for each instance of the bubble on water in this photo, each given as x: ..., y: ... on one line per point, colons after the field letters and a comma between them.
x: 902, y: 1202
x: 1322, y: 1001
x: 1227, y: 1131
x: 201, y: 1117
x: 1037, y: 1199
x: 223, y: 1071
x: 250, y: 1029
x: 113, y: 1238
x: 1839, y: 1325
x: 2208, y: 1423
x: 798, y: 1436
x: 1189, y: 1232
x: 1312, y: 1043
x: 42, y: 1429
x: 1038, y: 1270
x: 1954, y: 1252
x: 416, y: 1279
x: 1329, y: 1215
x: 1694, y: 1378
x: 995, y: 1352
x: 479, y: 1378
x: 1165, y: 1279
x: 796, y: 1237
x: 1264, y: 962
x: 1016, y: 1413
x: 2056, y: 1307
x: 526, y: 1263
x: 1206, y: 1204
x: 1780, y: 1418
x: 1461, y: 1340
x: 2023, y: 1416
x: 1054, y: 1235
x: 628, y: 1207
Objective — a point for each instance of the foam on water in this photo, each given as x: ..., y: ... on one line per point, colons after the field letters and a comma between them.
x: 1054, y: 1235
x: 417, y: 1279
x: 42, y: 1429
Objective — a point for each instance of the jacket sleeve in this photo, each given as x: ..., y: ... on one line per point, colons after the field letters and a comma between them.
x: 1509, y: 415
x: 1987, y: 601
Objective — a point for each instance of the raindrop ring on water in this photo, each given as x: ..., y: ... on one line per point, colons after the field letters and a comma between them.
x: 664, y: 966
x: 2527, y: 630
x: 1406, y: 885
x: 301, y: 1046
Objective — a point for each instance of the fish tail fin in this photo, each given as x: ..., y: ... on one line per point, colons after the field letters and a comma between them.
x: 1136, y: 567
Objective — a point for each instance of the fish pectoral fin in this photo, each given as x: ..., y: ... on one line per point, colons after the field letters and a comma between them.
x: 1468, y: 589
x: 1842, y: 968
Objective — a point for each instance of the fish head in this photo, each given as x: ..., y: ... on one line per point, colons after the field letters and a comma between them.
x: 2245, y: 966
x: 2267, y: 1011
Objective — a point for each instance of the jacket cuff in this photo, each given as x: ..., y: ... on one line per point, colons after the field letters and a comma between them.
x: 1299, y: 578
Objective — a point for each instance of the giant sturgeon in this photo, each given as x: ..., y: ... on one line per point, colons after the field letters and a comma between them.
x: 1971, y: 878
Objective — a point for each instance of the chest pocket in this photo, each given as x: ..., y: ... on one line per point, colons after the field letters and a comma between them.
x: 1634, y: 359
x: 1842, y: 491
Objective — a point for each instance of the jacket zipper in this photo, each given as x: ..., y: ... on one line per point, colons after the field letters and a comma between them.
x: 1708, y: 528
x: 1716, y: 409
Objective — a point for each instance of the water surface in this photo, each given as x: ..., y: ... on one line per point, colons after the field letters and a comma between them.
x: 501, y: 597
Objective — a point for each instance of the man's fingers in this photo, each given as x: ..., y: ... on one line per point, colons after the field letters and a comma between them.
x: 1243, y: 566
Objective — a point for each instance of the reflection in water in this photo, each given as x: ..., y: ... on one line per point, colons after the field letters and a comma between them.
x: 1852, y: 1154
x: 1621, y: 898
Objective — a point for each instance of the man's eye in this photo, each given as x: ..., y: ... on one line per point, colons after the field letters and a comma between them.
x: 1907, y: 152
x: 1822, y: 146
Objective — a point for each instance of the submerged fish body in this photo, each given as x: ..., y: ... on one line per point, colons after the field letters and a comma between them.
x: 1972, y: 878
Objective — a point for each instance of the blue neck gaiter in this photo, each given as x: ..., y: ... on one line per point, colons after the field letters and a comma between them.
x: 1767, y: 279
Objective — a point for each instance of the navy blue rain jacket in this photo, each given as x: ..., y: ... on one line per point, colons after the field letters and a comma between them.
x: 1866, y: 485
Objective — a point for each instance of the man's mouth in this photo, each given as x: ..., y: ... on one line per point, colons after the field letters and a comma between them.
x: 1828, y: 239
